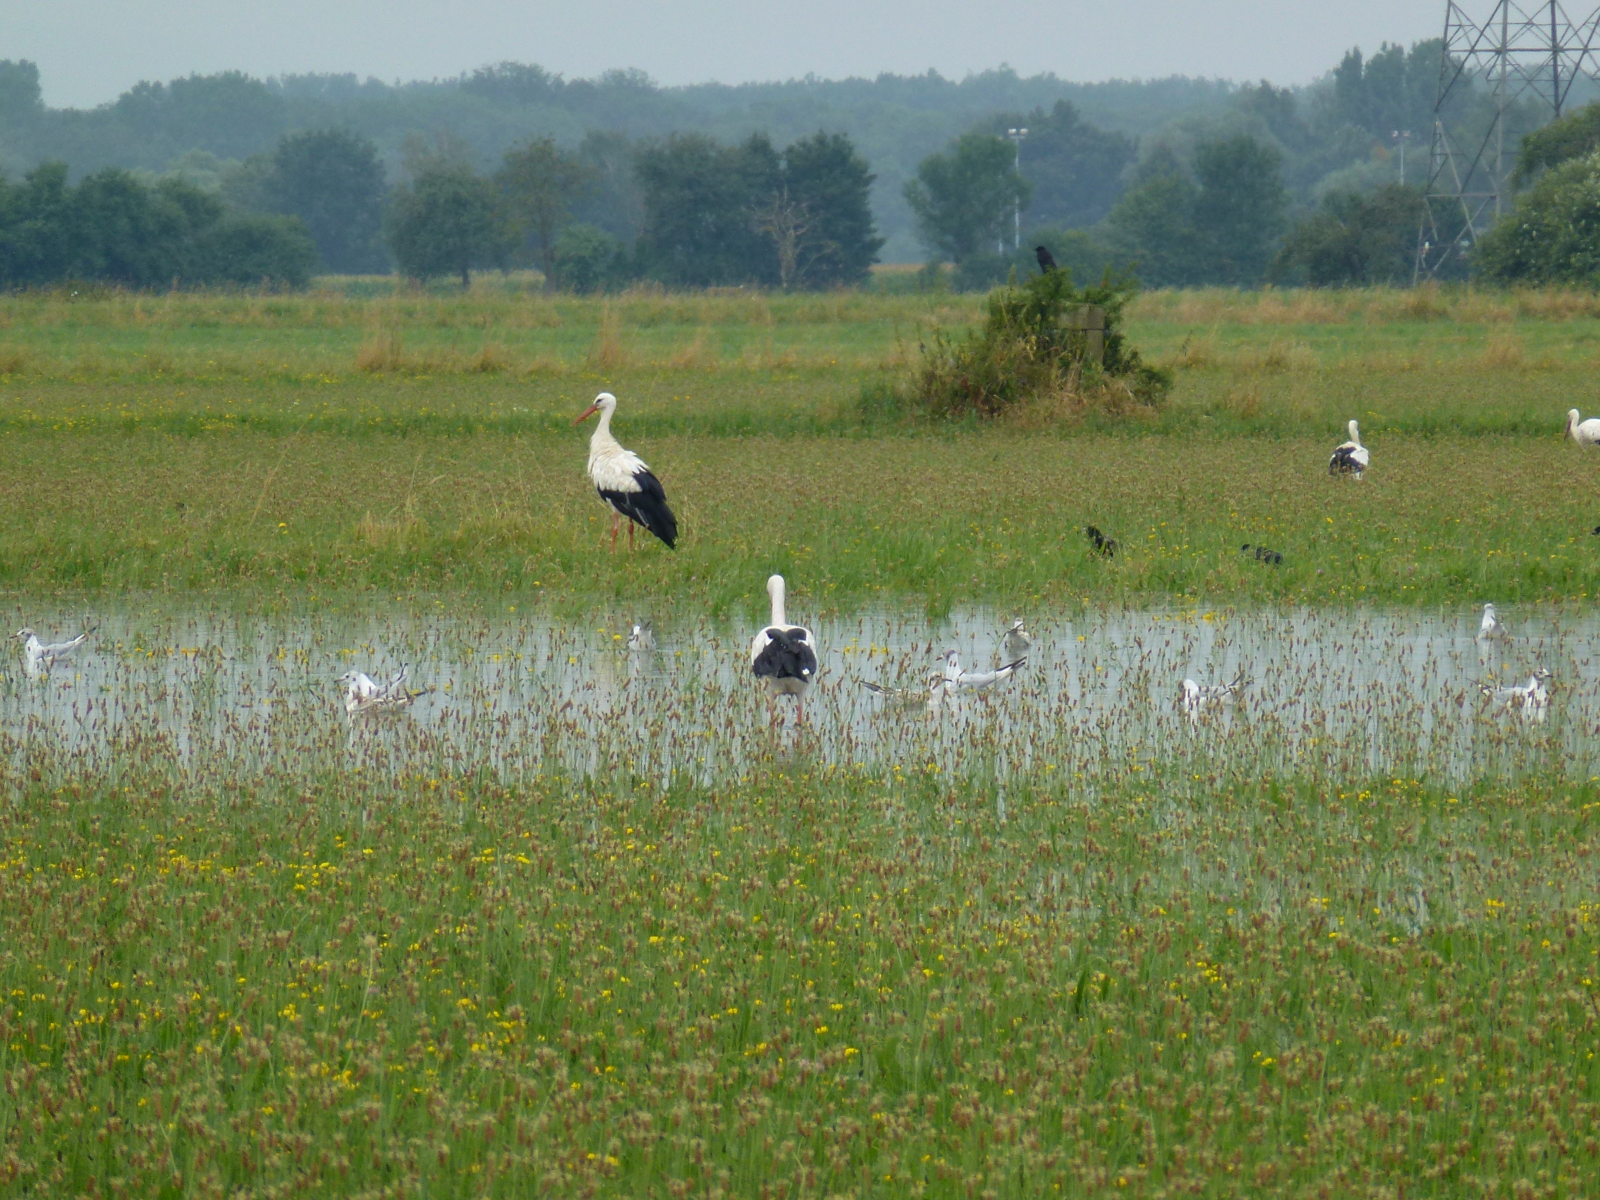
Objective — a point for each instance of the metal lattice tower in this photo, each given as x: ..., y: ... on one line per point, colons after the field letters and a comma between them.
x: 1522, y: 54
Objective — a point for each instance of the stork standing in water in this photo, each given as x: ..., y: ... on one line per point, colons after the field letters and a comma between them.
x: 1585, y: 433
x: 624, y: 482
x: 1350, y: 458
x: 784, y: 655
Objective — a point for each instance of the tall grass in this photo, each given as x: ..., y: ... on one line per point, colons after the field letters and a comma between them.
x: 797, y: 986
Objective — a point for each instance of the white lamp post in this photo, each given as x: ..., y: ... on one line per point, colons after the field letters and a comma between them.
x: 1016, y: 136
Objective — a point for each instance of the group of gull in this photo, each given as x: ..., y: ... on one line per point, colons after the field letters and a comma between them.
x: 783, y: 657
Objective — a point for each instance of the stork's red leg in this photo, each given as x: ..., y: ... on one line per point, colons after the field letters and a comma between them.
x: 630, y: 537
x: 614, y: 520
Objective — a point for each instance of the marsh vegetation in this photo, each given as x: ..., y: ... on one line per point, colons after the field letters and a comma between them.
x: 577, y: 921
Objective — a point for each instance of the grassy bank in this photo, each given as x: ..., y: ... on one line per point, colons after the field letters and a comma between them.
x: 802, y: 986
x: 423, y: 442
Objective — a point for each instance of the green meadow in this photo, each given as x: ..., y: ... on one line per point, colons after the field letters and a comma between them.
x: 338, y: 972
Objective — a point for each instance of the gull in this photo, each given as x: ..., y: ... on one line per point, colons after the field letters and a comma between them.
x: 1585, y: 433
x: 908, y: 694
x: 784, y: 655
x: 955, y: 679
x: 364, y: 694
x: 1018, y: 640
x: 642, y: 638
x: 1490, y: 626
x: 41, y: 656
x: 1194, y: 698
x: 1531, y: 697
x: 1350, y: 458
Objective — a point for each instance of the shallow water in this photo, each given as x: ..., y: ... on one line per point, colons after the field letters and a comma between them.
x: 1333, y: 696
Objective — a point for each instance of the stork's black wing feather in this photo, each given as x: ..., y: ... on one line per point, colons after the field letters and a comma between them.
x: 1343, y: 462
x: 647, y: 507
x: 788, y: 655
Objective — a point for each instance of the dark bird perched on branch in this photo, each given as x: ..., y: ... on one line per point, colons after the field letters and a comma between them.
x: 1102, y: 544
x: 1047, y: 261
x: 1263, y: 554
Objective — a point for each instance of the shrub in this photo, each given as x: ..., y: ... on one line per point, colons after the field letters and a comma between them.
x: 1553, y: 235
x: 587, y: 259
x: 1026, y: 352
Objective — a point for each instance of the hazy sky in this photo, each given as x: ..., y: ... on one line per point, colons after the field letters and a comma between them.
x: 89, y: 51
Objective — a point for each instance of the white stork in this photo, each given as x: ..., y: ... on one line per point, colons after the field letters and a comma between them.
x: 1195, y: 698
x: 1350, y: 458
x: 1585, y: 433
x: 1490, y: 627
x: 41, y: 656
x: 1018, y: 640
x: 624, y: 482
x: 784, y: 655
x: 955, y: 679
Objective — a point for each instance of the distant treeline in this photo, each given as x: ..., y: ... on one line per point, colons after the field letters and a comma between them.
x: 602, y: 182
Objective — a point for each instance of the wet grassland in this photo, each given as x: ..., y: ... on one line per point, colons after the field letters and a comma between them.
x: 405, y: 968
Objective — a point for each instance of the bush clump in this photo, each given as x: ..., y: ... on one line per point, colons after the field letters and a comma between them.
x: 1026, y: 352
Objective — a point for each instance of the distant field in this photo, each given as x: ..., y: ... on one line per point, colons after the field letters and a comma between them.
x: 422, y: 442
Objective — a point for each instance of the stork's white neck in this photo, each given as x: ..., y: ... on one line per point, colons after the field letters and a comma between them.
x: 775, y: 589
x: 601, y: 442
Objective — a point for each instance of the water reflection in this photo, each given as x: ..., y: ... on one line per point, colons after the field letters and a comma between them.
x: 1331, y: 695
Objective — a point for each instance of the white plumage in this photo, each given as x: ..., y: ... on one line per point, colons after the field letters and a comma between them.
x: 784, y: 655
x: 624, y: 482
x: 955, y: 679
x: 1196, y: 698
x: 642, y: 638
x: 1018, y: 640
x: 1585, y: 433
x: 363, y: 694
x: 1531, y: 698
x: 1350, y: 458
x: 1490, y: 627
x: 41, y: 656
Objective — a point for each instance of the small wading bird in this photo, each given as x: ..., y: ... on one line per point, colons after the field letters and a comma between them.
x: 1271, y: 557
x: 1350, y: 458
x: 1532, y: 698
x: 624, y: 482
x: 1018, y: 640
x: 955, y: 679
x: 1585, y: 433
x: 910, y: 697
x: 364, y: 694
x: 1195, y: 698
x: 1101, y: 543
x: 784, y: 655
x: 41, y: 656
x: 1047, y: 261
x: 1490, y: 627
x: 642, y: 637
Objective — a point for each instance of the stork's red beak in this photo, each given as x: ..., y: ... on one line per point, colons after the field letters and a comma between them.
x: 587, y: 413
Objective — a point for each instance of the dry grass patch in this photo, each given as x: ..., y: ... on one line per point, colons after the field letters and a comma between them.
x: 1505, y: 351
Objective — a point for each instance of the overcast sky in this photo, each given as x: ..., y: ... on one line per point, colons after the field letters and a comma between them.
x: 89, y: 51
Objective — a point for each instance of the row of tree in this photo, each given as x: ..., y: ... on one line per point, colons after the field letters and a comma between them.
x: 112, y: 227
x: 709, y: 215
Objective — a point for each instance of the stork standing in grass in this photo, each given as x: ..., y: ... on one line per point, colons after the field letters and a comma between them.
x: 1585, y: 433
x: 1350, y: 458
x: 624, y: 482
x: 784, y: 655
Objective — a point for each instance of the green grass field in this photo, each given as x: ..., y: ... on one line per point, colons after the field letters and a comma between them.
x: 800, y: 981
